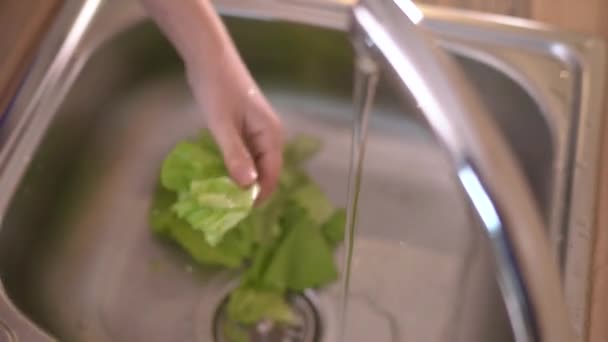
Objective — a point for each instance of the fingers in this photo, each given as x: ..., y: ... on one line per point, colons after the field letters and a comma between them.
x: 250, y: 138
x: 269, y: 165
x: 237, y: 157
x: 266, y: 144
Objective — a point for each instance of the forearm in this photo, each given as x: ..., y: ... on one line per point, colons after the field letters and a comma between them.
x: 241, y: 119
x: 196, y: 31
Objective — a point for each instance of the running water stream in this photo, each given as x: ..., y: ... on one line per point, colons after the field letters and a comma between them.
x: 366, y: 79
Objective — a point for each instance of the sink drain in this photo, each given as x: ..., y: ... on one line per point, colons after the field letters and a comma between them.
x: 307, y: 330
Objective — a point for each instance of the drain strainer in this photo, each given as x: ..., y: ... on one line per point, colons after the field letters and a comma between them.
x: 308, y: 328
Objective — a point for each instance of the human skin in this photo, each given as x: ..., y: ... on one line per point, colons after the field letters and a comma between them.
x: 240, y: 118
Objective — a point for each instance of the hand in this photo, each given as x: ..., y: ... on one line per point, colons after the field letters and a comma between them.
x: 239, y: 117
x: 242, y: 121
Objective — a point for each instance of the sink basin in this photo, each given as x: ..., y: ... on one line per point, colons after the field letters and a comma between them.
x: 77, y: 257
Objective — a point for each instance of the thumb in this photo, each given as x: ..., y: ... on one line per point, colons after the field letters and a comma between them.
x: 236, y: 155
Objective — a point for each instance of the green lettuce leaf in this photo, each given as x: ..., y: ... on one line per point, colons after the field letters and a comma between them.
x: 254, y: 275
x: 311, y: 198
x: 189, y: 161
x: 302, y: 258
x: 230, y: 253
x: 286, y: 241
x: 161, y: 216
x: 207, y: 143
x: 215, y: 206
x: 300, y: 149
x: 263, y: 220
x: 333, y: 228
x: 249, y: 306
x: 235, y: 332
x: 291, y: 178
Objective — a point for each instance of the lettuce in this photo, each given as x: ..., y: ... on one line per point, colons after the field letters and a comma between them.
x: 302, y: 259
x: 248, y: 306
x: 187, y: 162
x: 300, y: 149
x: 214, y: 206
x: 229, y: 253
x: 333, y: 228
x: 285, y: 242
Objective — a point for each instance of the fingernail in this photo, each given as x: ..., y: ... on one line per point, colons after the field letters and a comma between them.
x: 248, y: 176
x: 253, y: 175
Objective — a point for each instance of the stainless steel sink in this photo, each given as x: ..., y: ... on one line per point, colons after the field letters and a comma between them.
x: 77, y: 258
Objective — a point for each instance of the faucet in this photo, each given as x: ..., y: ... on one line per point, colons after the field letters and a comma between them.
x: 528, y: 277
x: 389, y: 33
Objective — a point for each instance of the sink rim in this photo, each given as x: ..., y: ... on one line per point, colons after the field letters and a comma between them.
x: 580, y: 53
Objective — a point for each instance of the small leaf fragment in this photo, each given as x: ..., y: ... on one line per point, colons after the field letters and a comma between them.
x: 249, y: 306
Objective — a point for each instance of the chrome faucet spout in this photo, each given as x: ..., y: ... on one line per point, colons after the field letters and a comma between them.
x: 482, y: 162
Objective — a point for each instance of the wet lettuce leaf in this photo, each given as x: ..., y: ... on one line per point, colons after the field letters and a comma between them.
x: 206, y: 142
x: 249, y: 305
x: 254, y: 275
x: 161, y: 216
x: 311, y: 198
x: 263, y: 220
x: 300, y: 149
x: 230, y: 253
x: 235, y: 332
x: 285, y: 242
x: 189, y: 161
x: 333, y: 228
x: 214, y: 206
x: 302, y: 258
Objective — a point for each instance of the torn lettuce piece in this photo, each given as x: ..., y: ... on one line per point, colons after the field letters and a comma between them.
x: 223, y: 193
x: 300, y: 148
x: 247, y: 305
x: 207, y: 142
x: 333, y: 228
x: 187, y: 162
x: 215, y: 206
x: 302, y: 258
x: 263, y: 220
x: 234, y: 332
x: 311, y: 198
x: 254, y: 275
x: 161, y: 217
x: 292, y: 178
x: 230, y: 253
